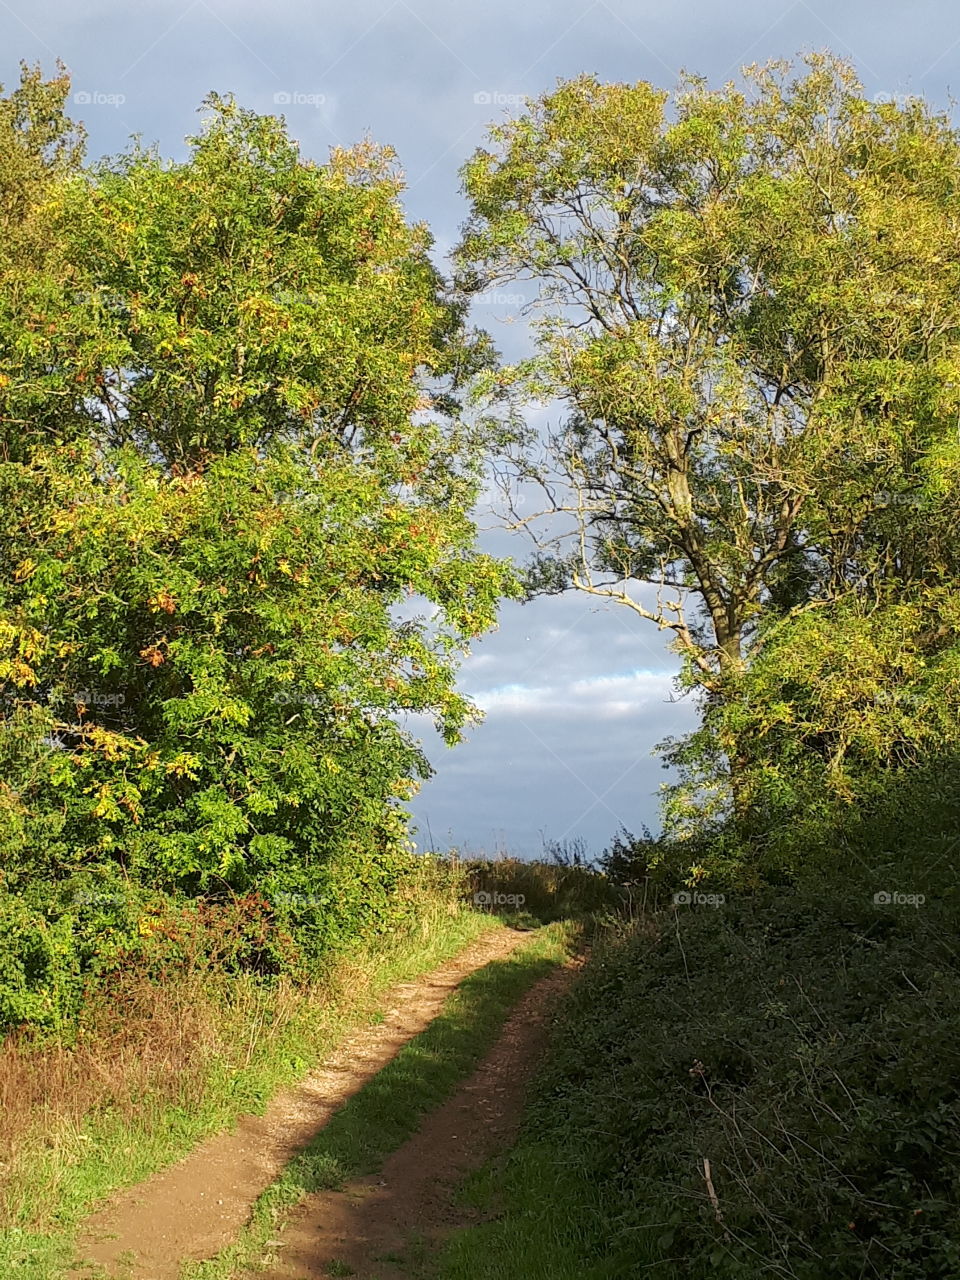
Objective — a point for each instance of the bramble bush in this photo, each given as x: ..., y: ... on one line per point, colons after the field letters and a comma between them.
x: 803, y: 1039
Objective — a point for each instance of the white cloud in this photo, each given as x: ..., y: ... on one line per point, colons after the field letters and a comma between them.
x: 602, y: 696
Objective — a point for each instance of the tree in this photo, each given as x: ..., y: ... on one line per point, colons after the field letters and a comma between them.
x: 38, y: 146
x: 40, y: 149
x: 202, y: 656
x: 748, y: 302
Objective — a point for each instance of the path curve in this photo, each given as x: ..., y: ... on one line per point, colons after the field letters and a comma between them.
x: 195, y: 1208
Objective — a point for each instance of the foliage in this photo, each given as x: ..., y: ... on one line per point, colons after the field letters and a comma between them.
x: 235, y: 533
x: 748, y: 304
x: 545, y: 891
x: 815, y: 1114
x: 836, y: 704
x: 39, y: 967
x: 651, y: 869
x: 217, y: 660
x: 802, y: 1040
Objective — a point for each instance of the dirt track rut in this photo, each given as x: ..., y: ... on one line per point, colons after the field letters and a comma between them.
x: 195, y: 1208
x: 372, y: 1225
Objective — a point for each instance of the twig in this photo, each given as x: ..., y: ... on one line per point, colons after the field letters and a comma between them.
x: 711, y: 1192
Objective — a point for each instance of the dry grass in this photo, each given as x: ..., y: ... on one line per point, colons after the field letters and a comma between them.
x: 155, y: 1066
x: 149, y: 1047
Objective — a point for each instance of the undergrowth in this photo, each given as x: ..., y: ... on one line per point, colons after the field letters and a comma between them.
x: 763, y: 1081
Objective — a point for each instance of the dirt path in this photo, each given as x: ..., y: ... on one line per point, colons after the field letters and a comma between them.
x: 370, y: 1224
x: 195, y: 1208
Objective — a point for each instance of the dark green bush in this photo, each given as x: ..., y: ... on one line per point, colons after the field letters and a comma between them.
x: 803, y: 1039
x: 809, y: 1048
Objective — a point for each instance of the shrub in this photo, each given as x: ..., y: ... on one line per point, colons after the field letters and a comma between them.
x: 66, y: 943
x: 39, y: 967
x: 808, y: 1050
x: 802, y: 1039
x: 548, y: 890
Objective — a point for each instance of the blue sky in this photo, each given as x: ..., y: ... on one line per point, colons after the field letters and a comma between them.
x: 576, y: 696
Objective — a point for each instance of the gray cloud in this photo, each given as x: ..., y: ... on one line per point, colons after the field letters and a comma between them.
x: 575, y: 698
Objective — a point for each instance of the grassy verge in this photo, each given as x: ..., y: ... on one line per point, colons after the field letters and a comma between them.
x: 105, y: 1115
x: 546, y: 1223
x: 388, y: 1110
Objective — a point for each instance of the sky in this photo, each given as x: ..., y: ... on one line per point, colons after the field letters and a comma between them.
x: 576, y: 696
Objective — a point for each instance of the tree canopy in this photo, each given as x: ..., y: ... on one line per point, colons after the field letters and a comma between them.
x: 235, y: 495
x: 748, y: 303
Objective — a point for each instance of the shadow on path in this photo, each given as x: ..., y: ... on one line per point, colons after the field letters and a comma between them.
x: 373, y: 1225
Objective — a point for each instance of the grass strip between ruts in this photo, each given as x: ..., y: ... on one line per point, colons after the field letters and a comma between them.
x: 388, y: 1110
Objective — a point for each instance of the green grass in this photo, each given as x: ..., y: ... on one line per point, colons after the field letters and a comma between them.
x: 545, y: 1223
x: 67, y: 1171
x: 388, y: 1110
x: 541, y: 1222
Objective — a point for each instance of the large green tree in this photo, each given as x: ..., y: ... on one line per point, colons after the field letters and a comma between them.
x: 231, y: 461
x: 748, y: 299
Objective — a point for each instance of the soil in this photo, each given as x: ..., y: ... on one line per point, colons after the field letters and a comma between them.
x: 195, y: 1208
x: 377, y: 1228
